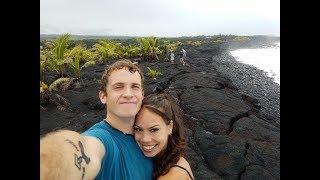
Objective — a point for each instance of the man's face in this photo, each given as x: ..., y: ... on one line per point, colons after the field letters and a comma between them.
x: 124, y: 94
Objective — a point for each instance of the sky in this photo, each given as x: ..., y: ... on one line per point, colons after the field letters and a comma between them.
x: 161, y: 18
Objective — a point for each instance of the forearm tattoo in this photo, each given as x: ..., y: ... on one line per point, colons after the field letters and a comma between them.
x: 72, y: 144
x: 78, y: 159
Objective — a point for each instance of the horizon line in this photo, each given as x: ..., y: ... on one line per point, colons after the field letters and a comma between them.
x: 57, y: 34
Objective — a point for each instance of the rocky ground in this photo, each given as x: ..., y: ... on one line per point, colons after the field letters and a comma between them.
x: 252, y: 82
x: 232, y: 114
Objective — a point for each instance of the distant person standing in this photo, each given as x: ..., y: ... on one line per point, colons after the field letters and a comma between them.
x: 183, y: 56
x: 172, y: 57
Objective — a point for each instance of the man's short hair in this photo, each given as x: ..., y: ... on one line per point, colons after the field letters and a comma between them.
x: 116, y: 66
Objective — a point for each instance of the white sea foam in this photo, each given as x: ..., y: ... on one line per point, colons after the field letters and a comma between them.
x: 267, y: 59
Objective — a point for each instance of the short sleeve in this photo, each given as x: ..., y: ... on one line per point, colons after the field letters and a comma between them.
x: 105, y: 137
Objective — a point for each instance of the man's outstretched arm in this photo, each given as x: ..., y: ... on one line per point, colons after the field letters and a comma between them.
x: 69, y: 155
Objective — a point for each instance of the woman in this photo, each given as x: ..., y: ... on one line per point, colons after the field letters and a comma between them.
x: 159, y: 132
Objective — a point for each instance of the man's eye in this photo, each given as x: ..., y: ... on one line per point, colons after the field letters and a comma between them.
x: 136, y: 87
x: 136, y: 129
x: 154, y: 130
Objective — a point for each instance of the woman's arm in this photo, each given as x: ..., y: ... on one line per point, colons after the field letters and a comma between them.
x: 69, y: 155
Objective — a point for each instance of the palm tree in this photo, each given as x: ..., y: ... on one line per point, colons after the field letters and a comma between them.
x: 73, y: 59
x: 43, y: 63
x: 106, y: 50
x: 129, y: 51
x: 154, y: 43
x: 76, y: 58
x: 167, y: 47
x: 149, y: 48
x: 58, y: 60
x: 173, y: 46
x: 144, y: 46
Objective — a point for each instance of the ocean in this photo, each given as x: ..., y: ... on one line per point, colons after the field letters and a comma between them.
x: 266, y: 59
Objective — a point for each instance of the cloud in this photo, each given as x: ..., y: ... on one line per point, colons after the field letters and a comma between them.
x: 49, y: 29
x: 160, y: 18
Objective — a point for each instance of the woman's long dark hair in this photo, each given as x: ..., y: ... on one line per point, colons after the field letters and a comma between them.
x: 165, y: 106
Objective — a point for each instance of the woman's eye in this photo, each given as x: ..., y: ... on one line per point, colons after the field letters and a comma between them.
x: 136, y: 129
x: 154, y: 130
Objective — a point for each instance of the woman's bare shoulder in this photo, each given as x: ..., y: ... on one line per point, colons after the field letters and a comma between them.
x: 184, y: 163
x: 177, y: 172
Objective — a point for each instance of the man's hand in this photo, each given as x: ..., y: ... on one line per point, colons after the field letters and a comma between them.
x: 68, y: 155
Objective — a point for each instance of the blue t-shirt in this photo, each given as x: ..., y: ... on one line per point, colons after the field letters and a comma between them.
x: 123, y: 158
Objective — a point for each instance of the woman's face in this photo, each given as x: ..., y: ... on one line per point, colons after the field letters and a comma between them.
x: 151, y: 132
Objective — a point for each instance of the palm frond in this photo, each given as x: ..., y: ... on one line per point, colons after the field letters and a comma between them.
x: 43, y: 87
x: 87, y: 64
x: 54, y: 86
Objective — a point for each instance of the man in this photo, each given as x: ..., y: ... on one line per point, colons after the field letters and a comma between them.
x: 107, y: 150
x: 183, y: 57
x: 172, y: 57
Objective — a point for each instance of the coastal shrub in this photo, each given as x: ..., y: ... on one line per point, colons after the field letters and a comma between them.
x: 89, y: 55
x: 76, y: 59
x: 133, y: 51
x: 44, y: 57
x: 194, y: 43
x: 153, y: 73
x: 54, y: 55
x: 106, y: 50
x: 60, y: 46
x: 129, y: 51
x: 166, y: 47
x: 149, y: 48
x: 241, y: 38
x: 75, y: 56
x: 84, y: 54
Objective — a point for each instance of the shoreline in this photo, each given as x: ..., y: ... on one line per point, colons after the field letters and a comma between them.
x: 253, y: 82
x: 266, y: 59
